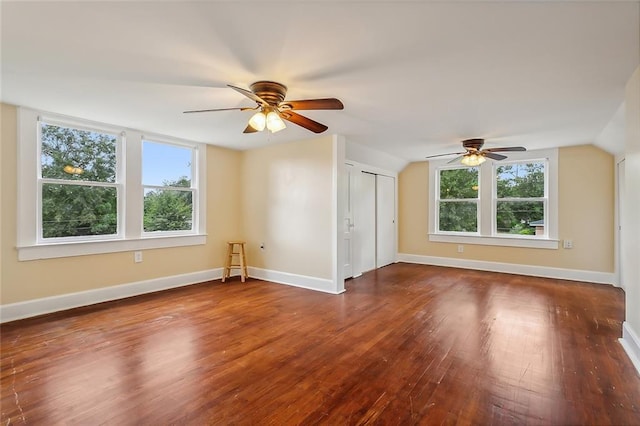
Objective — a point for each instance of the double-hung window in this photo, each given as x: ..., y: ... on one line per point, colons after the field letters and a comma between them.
x: 520, y: 205
x: 511, y: 202
x: 78, y: 185
x: 89, y: 188
x: 167, y: 172
x: 457, y: 200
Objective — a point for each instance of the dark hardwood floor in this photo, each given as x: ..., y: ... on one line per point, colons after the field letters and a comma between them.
x: 406, y: 344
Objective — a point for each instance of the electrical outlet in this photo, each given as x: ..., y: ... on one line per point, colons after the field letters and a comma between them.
x: 137, y: 256
x: 460, y: 248
x: 568, y: 244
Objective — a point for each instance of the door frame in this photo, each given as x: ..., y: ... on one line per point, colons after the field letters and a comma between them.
x: 358, y: 168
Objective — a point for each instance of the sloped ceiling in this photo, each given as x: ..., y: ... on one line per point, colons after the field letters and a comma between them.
x: 415, y: 77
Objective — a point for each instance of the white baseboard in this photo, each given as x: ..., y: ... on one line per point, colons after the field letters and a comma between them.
x: 47, y: 305
x: 302, y: 281
x: 32, y: 308
x: 631, y: 344
x: 512, y: 268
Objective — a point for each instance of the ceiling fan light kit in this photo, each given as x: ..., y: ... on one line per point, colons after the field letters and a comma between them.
x: 269, y: 97
x: 472, y: 160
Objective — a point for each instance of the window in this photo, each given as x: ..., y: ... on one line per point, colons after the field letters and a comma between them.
x: 458, y: 206
x: 521, y: 201
x: 511, y: 202
x: 77, y: 183
x: 88, y: 188
x: 168, y: 193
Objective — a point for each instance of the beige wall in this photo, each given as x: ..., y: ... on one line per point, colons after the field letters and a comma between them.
x: 21, y: 281
x: 630, y: 224
x: 586, y: 215
x: 287, y: 195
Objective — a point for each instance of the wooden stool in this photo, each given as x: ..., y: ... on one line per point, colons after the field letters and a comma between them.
x: 242, y: 261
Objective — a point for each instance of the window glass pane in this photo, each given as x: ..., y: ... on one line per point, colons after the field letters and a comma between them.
x: 73, y: 154
x: 166, y: 165
x: 520, y: 180
x: 520, y: 217
x: 78, y: 210
x: 459, y: 183
x: 458, y: 216
x: 167, y: 210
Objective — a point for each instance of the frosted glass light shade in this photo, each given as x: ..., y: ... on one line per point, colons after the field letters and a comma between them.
x: 274, y: 122
x: 473, y: 160
x: 258, y: 121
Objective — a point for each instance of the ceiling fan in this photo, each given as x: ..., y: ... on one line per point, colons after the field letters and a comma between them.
x: 272, y: 108
x: 474, y: 155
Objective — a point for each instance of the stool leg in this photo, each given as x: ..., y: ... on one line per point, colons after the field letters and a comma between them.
x: 226, y: 271
x: 243, y: 264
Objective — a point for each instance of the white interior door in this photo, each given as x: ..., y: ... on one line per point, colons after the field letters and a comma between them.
x: 366, y: 227
x: 348, y: 221
x: 385, y: 220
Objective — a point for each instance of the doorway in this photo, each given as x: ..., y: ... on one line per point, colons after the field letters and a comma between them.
x: 370, y: 220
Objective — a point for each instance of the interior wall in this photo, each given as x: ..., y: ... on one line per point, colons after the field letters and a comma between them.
x: 28, y: 280
x: 630, y: 223
x: 287, y: 206
x: 586, y: 215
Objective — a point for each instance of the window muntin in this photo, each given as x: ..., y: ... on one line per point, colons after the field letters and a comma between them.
x: 487, y: 235
x: 167, y: 171
x: 128, y: 186
x: 78, y: 190
x: 520, y: 204
x: 458, y: 200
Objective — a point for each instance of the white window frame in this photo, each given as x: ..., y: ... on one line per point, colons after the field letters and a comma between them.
x: 495, y: 199
x: 118, y: 184
x: 130, y: 198
x: 193, y: 188
x: 438, y: 200
x: 487, y: 234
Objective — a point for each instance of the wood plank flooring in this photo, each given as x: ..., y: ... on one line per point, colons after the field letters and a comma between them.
x: 406, y: 344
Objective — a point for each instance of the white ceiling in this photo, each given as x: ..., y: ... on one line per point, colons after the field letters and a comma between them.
x: 415, y: 77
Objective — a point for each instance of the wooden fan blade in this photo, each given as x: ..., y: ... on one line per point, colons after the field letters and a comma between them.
x: 308, y: 104
x: 443, y: 155
x: 249, y: 94
x: 303, y: 121
x: 249, y: 129
x: 493, y: 156
x: 455, y: 159
x: 513, y: 148
x: 219, y: 109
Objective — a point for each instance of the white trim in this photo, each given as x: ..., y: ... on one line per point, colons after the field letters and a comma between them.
x: 338, y: 182
x: 130, y: 194
x: 81, y: 248
x: 47, y: 305
x: 496, y: 241
x: 512, y: 268
x: 486, y: 213
x: 631, y: 344
x: 31, y: 308
x: 303, y: 281
x: 361, y: 167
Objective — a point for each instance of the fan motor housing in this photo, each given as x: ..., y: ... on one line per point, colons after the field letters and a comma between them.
x: 273, y: 93
x: 475, y: 144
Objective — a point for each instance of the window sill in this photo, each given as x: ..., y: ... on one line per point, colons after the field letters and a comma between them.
x: 55, y: 250
x: 541, y: 243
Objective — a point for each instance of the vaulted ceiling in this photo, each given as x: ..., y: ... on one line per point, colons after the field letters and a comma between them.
x: 416, y: 77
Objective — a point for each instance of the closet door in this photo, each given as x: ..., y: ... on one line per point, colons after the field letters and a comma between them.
x: 366, y: 227
x: 385, y: 220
